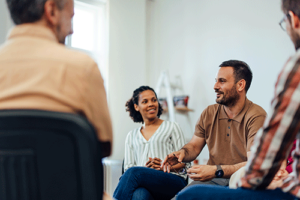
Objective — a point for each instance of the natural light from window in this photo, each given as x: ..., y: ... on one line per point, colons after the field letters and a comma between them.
x: 90, y: 33
x: 83, y: 28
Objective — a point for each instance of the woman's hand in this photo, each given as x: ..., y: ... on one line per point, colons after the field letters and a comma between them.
x: 154, y: 163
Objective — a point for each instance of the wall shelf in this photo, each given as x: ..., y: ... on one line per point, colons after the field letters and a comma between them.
x: 164, y: 81
x: 184, y: 109
x: 179, y: 109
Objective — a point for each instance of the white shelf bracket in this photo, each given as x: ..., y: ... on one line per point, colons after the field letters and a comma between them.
x: 163, y: 81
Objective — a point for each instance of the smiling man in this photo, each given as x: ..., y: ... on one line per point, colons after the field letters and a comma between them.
x: 228, y: 128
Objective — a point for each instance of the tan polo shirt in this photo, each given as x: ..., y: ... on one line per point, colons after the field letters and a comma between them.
x: 36, y: 72
x: 229, y: 140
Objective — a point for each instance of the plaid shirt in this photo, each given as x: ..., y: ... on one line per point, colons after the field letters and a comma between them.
x: 274, y: 140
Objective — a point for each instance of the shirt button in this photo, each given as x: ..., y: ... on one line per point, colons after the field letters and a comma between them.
x: 229, y: 120
x: 227, y: 134
x: 228, y: 127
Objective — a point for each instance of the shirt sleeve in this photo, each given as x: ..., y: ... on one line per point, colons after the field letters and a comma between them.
x: 199, y: 128
x: 96, y: 108
x: 273, y: 142
x: 129, y: 160
x: 254, y: 125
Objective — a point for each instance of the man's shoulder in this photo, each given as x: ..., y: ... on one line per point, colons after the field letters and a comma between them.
x: 72, y: 56
x: 211, y: 109
x: 255, y: 110
x: 209, y: 112
x: 47, y: 50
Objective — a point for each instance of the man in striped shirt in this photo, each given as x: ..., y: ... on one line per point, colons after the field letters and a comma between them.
x: 275, y: 139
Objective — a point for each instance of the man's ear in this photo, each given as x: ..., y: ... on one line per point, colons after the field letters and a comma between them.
x: 295, y: 22
x: 136, y: 107
x: 241, y: 84
x: 51, y: 12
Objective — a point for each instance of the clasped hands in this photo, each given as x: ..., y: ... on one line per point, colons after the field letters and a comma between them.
x: 154, y: 163
x: 196, y: 173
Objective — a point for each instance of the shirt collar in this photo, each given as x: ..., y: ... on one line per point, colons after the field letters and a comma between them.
x: 32, y: 30
x: 240, y: 116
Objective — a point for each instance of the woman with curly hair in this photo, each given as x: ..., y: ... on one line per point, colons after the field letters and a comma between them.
x: 145, y: 148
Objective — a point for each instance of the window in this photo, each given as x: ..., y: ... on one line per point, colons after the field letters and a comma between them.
x: 90, y: 26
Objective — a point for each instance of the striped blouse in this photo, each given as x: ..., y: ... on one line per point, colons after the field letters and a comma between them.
x: 167, y: 138
x: 273, y: 142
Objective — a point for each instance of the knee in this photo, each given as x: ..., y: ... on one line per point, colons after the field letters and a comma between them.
x: 188, y: 193
x: 180, y: 195
x: 141, y: 194
x: 133, y: 171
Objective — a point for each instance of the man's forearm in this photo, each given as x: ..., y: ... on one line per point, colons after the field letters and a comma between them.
x: 191, y: 152
x: 230, y: 169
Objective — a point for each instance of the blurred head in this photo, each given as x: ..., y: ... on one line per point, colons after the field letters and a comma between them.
x: 291, y: 10
x: 143, y: 105
x: 56, y: 14
x: 232, y: 82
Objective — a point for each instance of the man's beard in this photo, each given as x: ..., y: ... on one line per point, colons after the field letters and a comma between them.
x: 230, y: 98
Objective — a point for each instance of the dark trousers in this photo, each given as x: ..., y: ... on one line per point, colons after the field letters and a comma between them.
x: 213, y: 192
x: 141, y: 183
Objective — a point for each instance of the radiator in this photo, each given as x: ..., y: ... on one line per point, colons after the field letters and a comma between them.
x: 112, y: 170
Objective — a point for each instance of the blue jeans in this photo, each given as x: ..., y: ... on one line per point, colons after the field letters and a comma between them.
x: 141, y: 183
x: 221, y: 192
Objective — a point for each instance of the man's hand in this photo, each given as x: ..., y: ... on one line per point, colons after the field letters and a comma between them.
x: 154, y: 163
x: 172, y: 159
x: 202, y: 172
x: 278, y: 178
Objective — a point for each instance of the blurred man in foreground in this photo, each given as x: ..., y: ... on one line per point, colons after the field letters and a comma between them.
x: 38, y: 72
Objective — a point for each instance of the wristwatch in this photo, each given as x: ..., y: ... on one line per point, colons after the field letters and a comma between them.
x: 219, y: 173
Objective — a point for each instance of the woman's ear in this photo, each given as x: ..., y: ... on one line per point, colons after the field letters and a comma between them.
x: 136, y: 107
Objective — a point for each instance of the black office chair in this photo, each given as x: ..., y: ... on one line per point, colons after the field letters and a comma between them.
x: 48, y: 156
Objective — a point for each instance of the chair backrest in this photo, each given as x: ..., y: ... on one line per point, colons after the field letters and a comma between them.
x: 48, y: 156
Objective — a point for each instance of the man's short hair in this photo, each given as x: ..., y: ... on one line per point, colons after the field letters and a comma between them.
x: 291, y: 5
x: 28, y: 11
x: 241, y: 70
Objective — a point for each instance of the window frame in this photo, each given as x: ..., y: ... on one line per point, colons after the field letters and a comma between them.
x: 100, y: 53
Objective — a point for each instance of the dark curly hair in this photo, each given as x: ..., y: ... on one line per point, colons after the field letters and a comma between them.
x: 135, y: 115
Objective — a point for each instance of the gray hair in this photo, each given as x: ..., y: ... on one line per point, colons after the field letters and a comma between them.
x: 28, y: 11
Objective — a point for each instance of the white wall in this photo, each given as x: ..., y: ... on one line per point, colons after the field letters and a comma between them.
x: 127, y: 63
x: 191, y: 38
x: 5, y: 21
